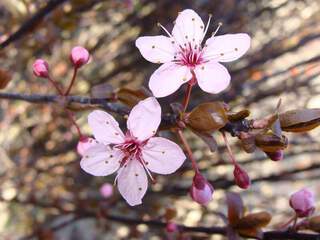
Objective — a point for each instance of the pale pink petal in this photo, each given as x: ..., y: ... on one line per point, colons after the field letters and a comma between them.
x: 101, y: 160
x: 188, y: 28
x: 84, y: 144
x: 162, y: 155
x: 144, y: 118
x: 105, y: 128
x: 226, y: 48
x: 132, y: 182
x: 212, y: 77
x: 156, y: 49
x: 168, y: 78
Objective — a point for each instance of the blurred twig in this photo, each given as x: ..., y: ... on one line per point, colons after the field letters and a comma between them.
x: 32, y: 22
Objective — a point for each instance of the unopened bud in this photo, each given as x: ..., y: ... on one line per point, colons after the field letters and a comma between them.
x: 241, y: 177
x: 106, y: 190
x: 79, y: 56
x: 171, y: 227
x: 41, y: 68
x: 275, y: 156
x: 201, y: 190
x: 303, y: 202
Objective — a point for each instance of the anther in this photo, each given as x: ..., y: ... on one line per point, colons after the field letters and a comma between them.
x: 217, y: 29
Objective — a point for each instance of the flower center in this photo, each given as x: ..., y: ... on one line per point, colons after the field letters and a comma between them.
x: 131, y: 148
x: 189, y: 56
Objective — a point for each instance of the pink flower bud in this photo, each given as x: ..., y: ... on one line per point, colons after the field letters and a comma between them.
x: 171, y: 227
x: 241, y: 177
x: 106, y: 190
x: 40, y: 68
x: 275, y: 156
x: 79, y: 56
x: 84, y: 144
x: 303, y: 202
x: 201, y: 190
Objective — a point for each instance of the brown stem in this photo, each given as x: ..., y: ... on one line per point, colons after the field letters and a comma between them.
x: 187, y: 97
x: 188, y: 150
x: 75, y: 70
x: 188, y: 91
x: 55, y: 85
x: 71, y: 118
x: 229, y: 149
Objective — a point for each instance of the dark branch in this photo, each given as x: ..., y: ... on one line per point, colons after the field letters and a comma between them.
x: 32, y: 22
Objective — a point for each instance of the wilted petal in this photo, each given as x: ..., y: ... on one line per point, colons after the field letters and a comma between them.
x: 162, y: 155
x: 188, y: 28
x: 144, y: 118
x: 101, y: 160
x: 132, y: 182
x: 156, y: 49
x: 105, y: 128
x: 212, y: 77
x: 226, y: 48
x: 168, y: 78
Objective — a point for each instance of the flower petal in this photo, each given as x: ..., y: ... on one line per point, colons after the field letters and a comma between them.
x: 212, y: 77
x: 162, y: 155
x: 226, y: 48
x: 144, y: 118
x: 132, y: 182
x: 168, y: 78
x: 156, y: 49
x: 188, y: 28
x: 105, y: 128
x: 101, y: 160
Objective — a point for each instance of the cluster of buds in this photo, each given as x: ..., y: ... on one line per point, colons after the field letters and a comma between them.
x: 78, y: 57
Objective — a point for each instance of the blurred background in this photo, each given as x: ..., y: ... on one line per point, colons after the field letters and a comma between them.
x: 41, y: 180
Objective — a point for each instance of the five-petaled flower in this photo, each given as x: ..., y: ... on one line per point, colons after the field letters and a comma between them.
x: 184, y: 57
x: 132, y: 154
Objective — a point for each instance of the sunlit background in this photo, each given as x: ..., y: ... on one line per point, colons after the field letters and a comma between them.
x: 39, y: 164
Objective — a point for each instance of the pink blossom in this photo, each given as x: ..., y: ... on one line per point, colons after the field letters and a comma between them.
x: 84, y: 144
x: 201, y: 190
x: 106, y: 190
x: 241, y: 177
x: 134, y: 154
x: 303, y: 202
x: 41, y: 68
x: 79, y: 56
x: 171, y: 227
x: 183, y: 55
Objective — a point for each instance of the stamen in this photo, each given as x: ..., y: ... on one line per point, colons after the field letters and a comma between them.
x: 215, y: 32
x: 207, y: 26
x: 118, y: 173
x: 147, y: 170
x: 167, y: 32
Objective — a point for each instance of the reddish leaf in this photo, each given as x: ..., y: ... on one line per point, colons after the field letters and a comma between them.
x: 235, y: 208
x: 131, y: 97
x: 300, y: 120
x: 254, y: 220
x: 208, y: 139
x: 207, y: 117
x: 5, y: 78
